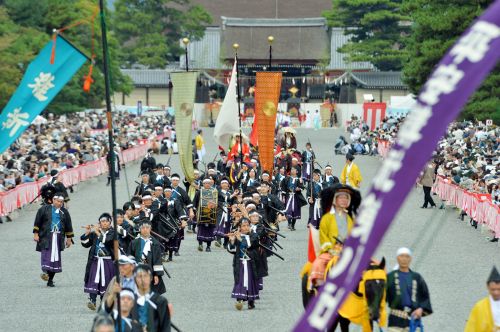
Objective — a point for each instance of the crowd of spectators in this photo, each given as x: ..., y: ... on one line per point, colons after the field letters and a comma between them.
x: 61, y: 142
x: 362, y: 140
x: 469, y: 155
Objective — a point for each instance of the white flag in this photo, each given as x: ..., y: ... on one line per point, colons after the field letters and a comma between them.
x: 228, y: 121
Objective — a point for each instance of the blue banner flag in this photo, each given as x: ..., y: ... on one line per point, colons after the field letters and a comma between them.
x: 42, y: 81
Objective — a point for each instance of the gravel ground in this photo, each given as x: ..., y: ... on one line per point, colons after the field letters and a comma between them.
x: 454, y: 259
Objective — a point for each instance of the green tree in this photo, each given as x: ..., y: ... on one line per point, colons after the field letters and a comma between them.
x: 27, y: 37
x: 436, y: 26
x: 149, y: 30
x: 377, y: 28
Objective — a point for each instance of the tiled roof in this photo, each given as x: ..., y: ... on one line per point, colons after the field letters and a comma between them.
x: 372, y: 80
x: 148, y: 77
x: 204, y: 53
x: 337, y: 40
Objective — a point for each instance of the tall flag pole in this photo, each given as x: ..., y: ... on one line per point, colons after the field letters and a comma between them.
x: 185, y: 41
x: 236, y: 47
x: 111, y: 152
x: 270, y: 40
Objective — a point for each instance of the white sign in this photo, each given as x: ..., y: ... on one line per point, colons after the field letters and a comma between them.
x: 489, y: 122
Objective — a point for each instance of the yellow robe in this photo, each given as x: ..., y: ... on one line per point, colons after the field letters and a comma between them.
x: 354, y: 176
x: 481, y: 318
x: 199, y: 142
x: 328, y: 228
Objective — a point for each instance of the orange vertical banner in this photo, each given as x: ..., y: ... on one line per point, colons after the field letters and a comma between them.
x: 267, y: 93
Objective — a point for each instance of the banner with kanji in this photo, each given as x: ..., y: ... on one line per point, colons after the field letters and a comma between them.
x: 454, y: 79
x: 267, y: 93
x: 373, y: 114
x: 42, y: 81
x: 183, y: 99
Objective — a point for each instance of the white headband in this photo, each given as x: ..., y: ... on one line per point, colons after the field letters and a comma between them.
x: 224, y: 181
x: 126, y: 292
x: 58, y: 197
x: 207, y: 181
x: 403, y: 251
x: 147, y: 197
x: 175, y: 178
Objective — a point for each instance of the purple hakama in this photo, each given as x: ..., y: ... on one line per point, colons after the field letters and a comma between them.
x: 247, y: 288
x: 101, y: 272
x: 205, y: 232
x: 293, y: 207
x: 51, y: 257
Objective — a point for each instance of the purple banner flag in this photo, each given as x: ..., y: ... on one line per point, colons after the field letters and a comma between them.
x: 456, y: 77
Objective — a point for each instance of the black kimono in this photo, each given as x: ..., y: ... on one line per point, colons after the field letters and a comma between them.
x: 42, y: 225
x: 329, y: 180
x: 100, y: 257
x: 403, y: 302
x: 169, y: 223
x: 153, y: 258
x: 157, y: 318
x: 52, y: 226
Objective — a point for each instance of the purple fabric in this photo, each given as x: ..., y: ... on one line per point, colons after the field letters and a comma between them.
x: 293, y: 208
x: 47, y: 265
x: 97, y: 288
x: 205, y: 233
x: 456, y: 77
x: 223, y: 227
x: 240, y: 292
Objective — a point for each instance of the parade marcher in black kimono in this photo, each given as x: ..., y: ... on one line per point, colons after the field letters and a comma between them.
x: 148, y: 209
x: 222, y: 164
x: 250, y: 180
x: 271, y: 205
x: 160, y: 179
x: 258, y: 228
x: 180, y: 194
x: 58, y: 185
x: 52, y: 226
x: 314, y: 199
x: 276, y: 184
x: 173, y: 220
x: 151, y: 309
x: 125, y: 231
x: 100, y: 269
x: 223, y: 213
x: 205, y: 203
x: 127, y: 302
x: 407, y: 294
x: 243, y: 244
x: 148, y: 164
x: 131, y: 216
x: 147, y: 250
x: 116, y: 166
x: 308, y: 158
x: 329, y: 180
x: 145, y: 185
x: 292, y: 187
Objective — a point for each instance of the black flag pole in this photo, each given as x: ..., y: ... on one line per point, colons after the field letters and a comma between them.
x: 270, y: 40
x: 236, y: 47
x: 185, y: 41
x: 111, y: 157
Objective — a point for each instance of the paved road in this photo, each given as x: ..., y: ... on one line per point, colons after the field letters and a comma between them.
x: 454, y: 259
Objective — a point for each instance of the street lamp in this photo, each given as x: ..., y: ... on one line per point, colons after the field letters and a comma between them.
x: 185, y: 41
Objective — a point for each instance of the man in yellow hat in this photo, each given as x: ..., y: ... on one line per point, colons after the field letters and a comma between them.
x: 485, y: 316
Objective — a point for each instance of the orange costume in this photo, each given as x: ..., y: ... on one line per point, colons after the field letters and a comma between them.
x: 235, y: 152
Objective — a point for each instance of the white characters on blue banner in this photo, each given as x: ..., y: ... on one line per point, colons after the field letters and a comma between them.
x: 43, y: 83
x: 15, y: 121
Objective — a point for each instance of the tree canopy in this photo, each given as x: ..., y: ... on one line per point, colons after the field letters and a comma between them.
x: 436, y: 26
x: 149, y: 30
x: 24, y: 32
x: 377, y: 28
